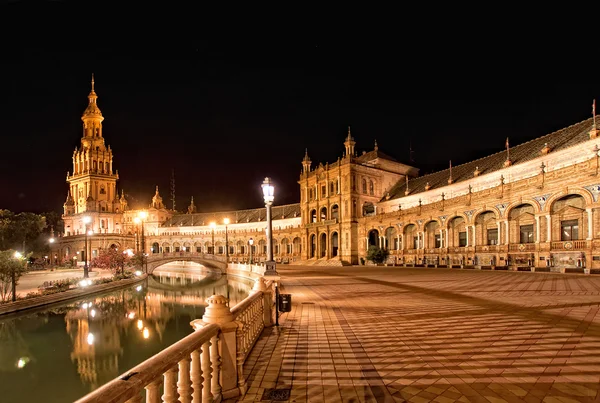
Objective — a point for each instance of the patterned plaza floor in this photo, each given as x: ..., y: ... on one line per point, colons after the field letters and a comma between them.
x: 390, y: 334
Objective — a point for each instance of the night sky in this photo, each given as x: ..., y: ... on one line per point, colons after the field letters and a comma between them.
x: 226, y: 113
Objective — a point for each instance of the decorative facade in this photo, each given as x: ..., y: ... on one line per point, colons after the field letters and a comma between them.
x: 532, y: 205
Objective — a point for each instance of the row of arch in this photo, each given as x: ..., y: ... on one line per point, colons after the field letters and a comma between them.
x: 322, y: 216
x: 567, y: 218
x: 323, y: 245
x: 285, y: 246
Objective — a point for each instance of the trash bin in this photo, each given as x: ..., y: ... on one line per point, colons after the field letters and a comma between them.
x: 285, y: 302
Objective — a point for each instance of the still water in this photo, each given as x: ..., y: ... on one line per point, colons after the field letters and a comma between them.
x: 62, y: 352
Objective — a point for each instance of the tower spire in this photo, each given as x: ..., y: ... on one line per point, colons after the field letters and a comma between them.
x: 349, y: 144
x: 93, y: 82
x: 306, y: 162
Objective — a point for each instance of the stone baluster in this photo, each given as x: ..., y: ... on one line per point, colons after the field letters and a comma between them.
x: 218, y: 312
x: 259, y: 285
x: 207, y: 396
x: 170, y: 386
x: 240, y: 360
x: 153, y: 391
x: 215, y: 358
x: 196, y: 377
x: 184, y: 385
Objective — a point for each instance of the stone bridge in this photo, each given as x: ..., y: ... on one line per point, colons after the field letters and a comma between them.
x: 209, y: 261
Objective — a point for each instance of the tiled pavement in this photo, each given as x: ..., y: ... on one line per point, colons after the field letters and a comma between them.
x: 389, y: 334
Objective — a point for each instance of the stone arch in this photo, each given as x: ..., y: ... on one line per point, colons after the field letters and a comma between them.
x: 486, y: 228
x: 285, y: 247
x: 511, y: 206
x: 431, y: 233
x: 313, y: 215
x: 391, y: 238
x: 335, y: 212
x: 453, y: 217
x: 587, y: 196
x: 312, y: 245
x: 372, y: 238
x: 322, y: 244
x: 485, y: 210
x: 409, y: 234
x: 323, y: 214
x: 296, y: 245
x: 569, y: 218
x: 457, y: 231
x: 334, y: 242
x: 154, y: 248
x: 521, y: 222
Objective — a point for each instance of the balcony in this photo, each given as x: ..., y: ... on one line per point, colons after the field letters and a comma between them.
x: 569, y: 245
x: 522, y: 247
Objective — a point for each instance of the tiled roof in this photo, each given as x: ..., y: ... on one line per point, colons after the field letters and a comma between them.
x: 558, y: 140
x: 240, y: 216
x: 371, y: 155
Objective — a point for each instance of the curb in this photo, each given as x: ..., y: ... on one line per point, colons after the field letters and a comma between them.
x: 22, y: 305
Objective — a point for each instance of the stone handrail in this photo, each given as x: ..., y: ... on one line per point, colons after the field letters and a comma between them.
x: 188, y: 372
x: 206, y: 366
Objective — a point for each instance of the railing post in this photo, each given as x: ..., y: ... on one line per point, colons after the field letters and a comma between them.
x: 259, y: 285
x: 218, y: 312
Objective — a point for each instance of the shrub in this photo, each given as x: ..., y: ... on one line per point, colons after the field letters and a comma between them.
x: 376, y: 254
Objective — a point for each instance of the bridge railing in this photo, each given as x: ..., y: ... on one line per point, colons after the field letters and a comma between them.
x: 187, y: 371
x: 207, y: 256
x: 206, y: 366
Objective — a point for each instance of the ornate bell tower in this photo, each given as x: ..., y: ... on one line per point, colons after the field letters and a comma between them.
x: 93, y: 185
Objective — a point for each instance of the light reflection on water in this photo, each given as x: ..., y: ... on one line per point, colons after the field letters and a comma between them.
x: 59, y: 354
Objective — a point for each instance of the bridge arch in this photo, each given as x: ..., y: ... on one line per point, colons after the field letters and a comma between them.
x: 207, y: 260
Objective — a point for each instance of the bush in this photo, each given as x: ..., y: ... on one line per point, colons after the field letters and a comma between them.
x: 376, y: 254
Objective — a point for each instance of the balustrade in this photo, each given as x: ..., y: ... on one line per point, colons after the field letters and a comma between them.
x: 569, y: 245
x: 205, y: 366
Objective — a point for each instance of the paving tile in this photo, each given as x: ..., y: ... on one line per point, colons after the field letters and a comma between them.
x: 398, y: 334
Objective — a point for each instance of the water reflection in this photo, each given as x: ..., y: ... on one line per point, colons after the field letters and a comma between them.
x: 62, y: 353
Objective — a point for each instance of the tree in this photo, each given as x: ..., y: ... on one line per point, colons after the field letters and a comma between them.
x: 376, y: 254
x: 111, y: 259
x: 12, y: 266
x: 137, y: 260
x: 18, y: 230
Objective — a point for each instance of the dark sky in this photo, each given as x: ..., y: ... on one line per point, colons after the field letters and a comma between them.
x: 224, y: 113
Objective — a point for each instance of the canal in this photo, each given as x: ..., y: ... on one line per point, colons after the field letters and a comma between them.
x: 60, y: 353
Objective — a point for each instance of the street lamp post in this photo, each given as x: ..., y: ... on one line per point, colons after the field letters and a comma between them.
x: 212, y: 226
x: 143, y: 215
x: 17, y: 256
x: 270, y: 269
x: 86, y: 221
x: 251, y: 242
x: 226, y: 222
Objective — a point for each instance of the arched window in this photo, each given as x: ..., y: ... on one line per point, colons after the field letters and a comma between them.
x: 323, y: 214
x: 313, y: 216
x: 364, y: 186
x: 335, y: 212
x: 331, y: 188
x: 371, y: 188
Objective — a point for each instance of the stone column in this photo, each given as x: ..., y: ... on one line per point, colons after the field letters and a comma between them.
x: 538, y: 238
x: 218, y: 312
x: 590, y: 224
x: 467, y: 227
x: 548, y: 228
x: 474, y: 235
x: 507, y: 233
x: 499, y: 233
